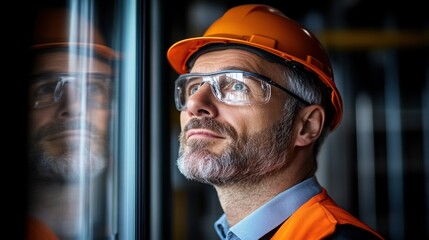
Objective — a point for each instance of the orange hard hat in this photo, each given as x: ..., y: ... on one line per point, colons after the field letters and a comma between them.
x: 60, y: 27
x: 268, y: 29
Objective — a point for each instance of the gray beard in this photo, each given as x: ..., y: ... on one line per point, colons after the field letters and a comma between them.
x: 86, y: 157
x: 244, y: 161
x: 68, y: 167
x: 77, y: 161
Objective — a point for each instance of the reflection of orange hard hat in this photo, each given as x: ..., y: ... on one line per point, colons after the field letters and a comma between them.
x: 268, y: 29
x: 58, y: 27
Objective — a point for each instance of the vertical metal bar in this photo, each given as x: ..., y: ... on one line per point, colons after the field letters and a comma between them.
x: 156, y: 119
x: 128, y: 123
x: 365, y: 159
x: 425, y: 126
x: 160, y: 193
x: 394, y: 147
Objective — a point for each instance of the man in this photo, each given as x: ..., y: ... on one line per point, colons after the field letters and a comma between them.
x: 70, y: 90
x: 257, y: 98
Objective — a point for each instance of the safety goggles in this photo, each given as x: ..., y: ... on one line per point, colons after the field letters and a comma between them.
x: 233, y: 87
x: 47, y: 89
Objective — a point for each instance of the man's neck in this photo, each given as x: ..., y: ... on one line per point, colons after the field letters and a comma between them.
x: 56, y: 205
x: 240, y: 200
x: 63, y: 206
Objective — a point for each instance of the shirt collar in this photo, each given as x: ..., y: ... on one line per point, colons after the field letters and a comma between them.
x: 271, y: 214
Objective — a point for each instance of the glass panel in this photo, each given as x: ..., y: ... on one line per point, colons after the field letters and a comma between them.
x: 82, y: 121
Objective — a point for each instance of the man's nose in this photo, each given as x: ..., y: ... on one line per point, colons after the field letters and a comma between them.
x: 70, y: 101
x: 202, y: 102
x: 204, y: 91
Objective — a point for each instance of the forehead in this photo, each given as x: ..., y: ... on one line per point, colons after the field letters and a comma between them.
x: 228, y: 58
x: 63, y: 62
x: 234, y: 59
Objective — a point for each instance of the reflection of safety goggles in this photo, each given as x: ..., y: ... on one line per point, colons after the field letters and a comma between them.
x: 47, y: 89
x: 233, y: 87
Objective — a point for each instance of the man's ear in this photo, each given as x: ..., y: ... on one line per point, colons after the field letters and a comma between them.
x: 309, y: 125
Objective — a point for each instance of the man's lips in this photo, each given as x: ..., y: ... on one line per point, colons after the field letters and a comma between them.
x: 202, y: 133
x: 68, y: 134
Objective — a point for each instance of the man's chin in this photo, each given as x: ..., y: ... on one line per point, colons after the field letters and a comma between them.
x: 201, y: 147
x: 71, y: 176
x: 66, y: 168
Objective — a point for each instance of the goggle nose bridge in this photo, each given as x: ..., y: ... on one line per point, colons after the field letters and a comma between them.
x: 59, y: 89
x: 214, y: 85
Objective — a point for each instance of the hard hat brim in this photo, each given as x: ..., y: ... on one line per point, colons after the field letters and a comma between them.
x: 100, y: 49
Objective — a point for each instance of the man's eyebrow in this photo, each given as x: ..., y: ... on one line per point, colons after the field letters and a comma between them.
x: 241, y: 68
x: 45, y: 72
x: 233, y: 68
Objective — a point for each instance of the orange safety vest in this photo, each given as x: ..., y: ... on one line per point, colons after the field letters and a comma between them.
x: 37, y: 230
x: 317, y: 219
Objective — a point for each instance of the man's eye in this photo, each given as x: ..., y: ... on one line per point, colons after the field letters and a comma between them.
x: 193, y: 89
x: 238, y: 86
x: 45, y: 89
x: 97, y: 88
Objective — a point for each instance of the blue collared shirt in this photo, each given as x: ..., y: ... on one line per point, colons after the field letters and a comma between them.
x: 271, y: 214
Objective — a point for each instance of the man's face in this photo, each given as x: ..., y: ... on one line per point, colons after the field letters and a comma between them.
x: 223, y: 144
x: 68, y: 136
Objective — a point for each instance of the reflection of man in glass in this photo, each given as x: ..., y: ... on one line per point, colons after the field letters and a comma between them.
x: 60, y: 129
x: 70, y: 91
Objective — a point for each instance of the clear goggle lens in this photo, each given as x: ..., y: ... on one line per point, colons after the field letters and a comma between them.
x: 48, y: 89
x: 233, y: 87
